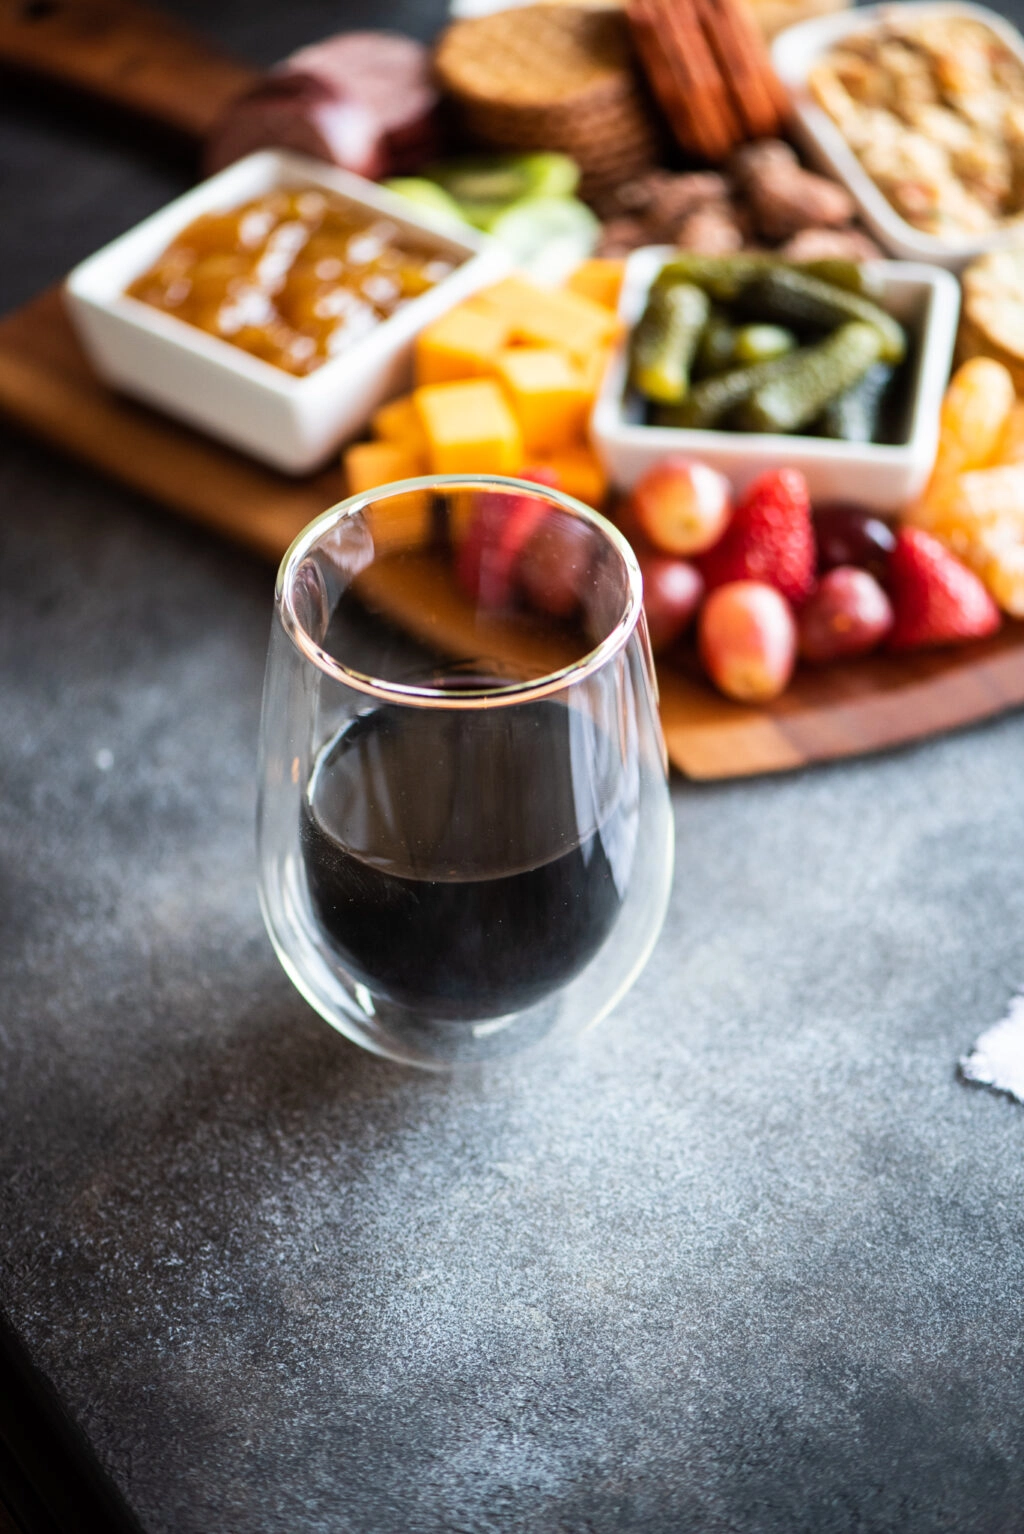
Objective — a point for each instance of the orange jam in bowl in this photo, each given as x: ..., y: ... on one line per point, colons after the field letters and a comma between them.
x: 293, y: 277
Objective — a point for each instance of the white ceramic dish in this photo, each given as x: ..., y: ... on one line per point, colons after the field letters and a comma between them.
x: 292, y: 423
x: 883, y: 476
x: 794, y: 54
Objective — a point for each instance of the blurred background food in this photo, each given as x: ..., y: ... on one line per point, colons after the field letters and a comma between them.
x: 771, y: 15
x: 932, y: 104
x: 552, y: 77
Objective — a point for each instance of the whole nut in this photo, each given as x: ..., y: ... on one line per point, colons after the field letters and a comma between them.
x: 621, y: 235
x: 711, y: 231
x: 637, y: 194
x: 785, y: 199
x: 679, y: 196
x: 830, y: 245
x: 763, y: 154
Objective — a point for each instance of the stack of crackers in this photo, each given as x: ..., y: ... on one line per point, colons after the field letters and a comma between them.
x: 708, y: 65
x: 553, y: 77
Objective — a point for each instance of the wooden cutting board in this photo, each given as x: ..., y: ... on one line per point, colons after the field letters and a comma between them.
x: 120, y: 54
x: 47, y: 386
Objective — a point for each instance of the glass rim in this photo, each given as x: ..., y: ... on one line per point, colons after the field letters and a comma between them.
x: 434, y: 697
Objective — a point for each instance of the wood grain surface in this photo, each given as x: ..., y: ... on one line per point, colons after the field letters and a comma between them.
x: 47, y: 386
x: 124, y: 55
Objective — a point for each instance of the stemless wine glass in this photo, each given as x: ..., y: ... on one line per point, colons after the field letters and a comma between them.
x: 465, y: 836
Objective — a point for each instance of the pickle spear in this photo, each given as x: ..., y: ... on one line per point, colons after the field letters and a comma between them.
x: 723, y: 277
x: 717, y: 350
x: 760, y: 343
x: 785, y: 296
x: 853, y: 416
x: 851, y: 275
x: 726, y: 277
x: 809, y: 379
x: 709, y: 402
x: 665, y: 341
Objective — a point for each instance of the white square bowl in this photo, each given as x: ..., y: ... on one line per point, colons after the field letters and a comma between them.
x: 795, y: 53
x: 883, y: 476
x: 292, y: 423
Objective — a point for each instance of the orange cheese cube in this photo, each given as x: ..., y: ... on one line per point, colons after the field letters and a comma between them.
x: 593, y: 369
x: 543, y: 317
x: 399, y: 421
x: 599, y: 279
x: 470, y: 428
x: 547, y: 393
x: 370, y: 464
x: 511, y: 298
x: 579, y: 472
x: 461, y: 344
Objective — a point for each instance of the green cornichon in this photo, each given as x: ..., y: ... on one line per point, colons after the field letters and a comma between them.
x: 708, y: 403
x: 717, y: 350
x: 760, y: 343
x: 851, y: 275
x: 791, y: 297
x: 726, y: 277
x: 723, y: 277
x: 665, y: 341
x: 854, y: 415
x: 808, y: 379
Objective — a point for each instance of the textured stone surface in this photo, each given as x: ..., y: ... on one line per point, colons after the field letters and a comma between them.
x: 749, y: 1258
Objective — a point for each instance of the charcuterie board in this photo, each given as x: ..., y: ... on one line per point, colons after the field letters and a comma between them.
x: 128, y: 57
x: 47, y: 386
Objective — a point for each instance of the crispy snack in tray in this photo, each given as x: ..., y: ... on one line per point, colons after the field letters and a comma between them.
x: 708, y: 66
x: 932, y: 104
x: 552, y: 77
x: 992, y: 319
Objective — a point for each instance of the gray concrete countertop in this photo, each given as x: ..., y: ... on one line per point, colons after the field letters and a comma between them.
x: 749, y: 1258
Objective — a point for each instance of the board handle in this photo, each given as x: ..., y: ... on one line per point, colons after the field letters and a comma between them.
x: 125, y: 55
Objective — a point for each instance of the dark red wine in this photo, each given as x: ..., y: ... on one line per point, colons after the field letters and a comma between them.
x: 468, y: 863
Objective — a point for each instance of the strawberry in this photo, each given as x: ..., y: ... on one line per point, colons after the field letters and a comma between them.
x: 769, y: 539
x: 936, y: 599
x: 500, y: 527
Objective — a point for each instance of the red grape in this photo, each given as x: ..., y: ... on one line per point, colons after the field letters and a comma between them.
x: 672, y: 593
x: 748, y: 640
x: 849, y: 535
x: 849, y: 614
x: 682, y: 506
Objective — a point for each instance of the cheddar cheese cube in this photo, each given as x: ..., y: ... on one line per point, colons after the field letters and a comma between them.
x: 461, y: 344
x: 545, y: 317
x: 579, y: 472
x: 547, y: 393
x: 370, y: 464
x: 599, y: 279
x: 593, y: 369
x: 470, y: 428
x: 399, y: 421
x: 511, y: 298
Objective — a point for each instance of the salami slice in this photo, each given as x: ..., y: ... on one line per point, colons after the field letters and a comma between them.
x: 362, y: 100
x: 297, y: 112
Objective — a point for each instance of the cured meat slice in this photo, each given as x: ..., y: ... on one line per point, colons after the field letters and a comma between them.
x: 299, y: 112
x: 362, y: 100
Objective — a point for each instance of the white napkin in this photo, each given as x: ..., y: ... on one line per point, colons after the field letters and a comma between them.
x: 997, y: 1059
